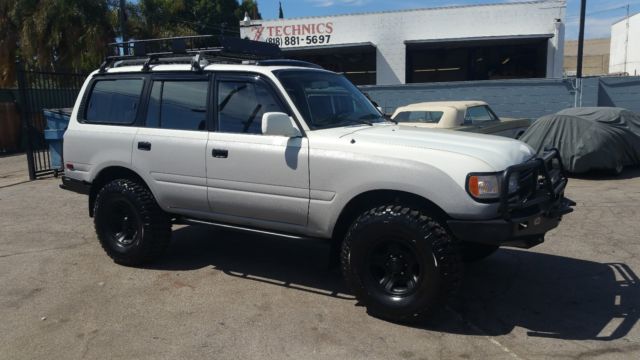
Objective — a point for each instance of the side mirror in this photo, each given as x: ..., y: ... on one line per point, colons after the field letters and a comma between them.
x: 277, y: 123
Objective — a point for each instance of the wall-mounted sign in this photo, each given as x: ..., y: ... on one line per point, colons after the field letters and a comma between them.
x: 293, y: 35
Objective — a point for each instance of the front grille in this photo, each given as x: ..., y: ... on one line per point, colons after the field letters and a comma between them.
x: 528, y: 183
x: 540, y: 180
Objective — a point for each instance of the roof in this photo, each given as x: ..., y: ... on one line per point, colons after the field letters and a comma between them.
x: 458, y: 105
x: 560, y: 2
x: 210, y: 67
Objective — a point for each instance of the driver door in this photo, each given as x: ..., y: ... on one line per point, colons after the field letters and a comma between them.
x: 253, y: 178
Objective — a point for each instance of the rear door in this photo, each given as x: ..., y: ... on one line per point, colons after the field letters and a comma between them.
x: 254, y: 178
x: 170, y: 147
x: 107, y: 124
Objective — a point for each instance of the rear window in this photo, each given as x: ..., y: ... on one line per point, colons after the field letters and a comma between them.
x: 114, y: 101
x: 419, y: 116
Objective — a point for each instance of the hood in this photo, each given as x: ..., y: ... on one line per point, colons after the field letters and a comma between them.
x: 496, y: 151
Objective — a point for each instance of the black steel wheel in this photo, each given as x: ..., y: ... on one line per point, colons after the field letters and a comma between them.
x: 394, y: 268
x: 130, y: 225
x: 400, y: 263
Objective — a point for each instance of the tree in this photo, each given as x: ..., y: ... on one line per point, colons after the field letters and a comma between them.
x: 163, y: 18
x: 8, y: 44
x: 251, y: 8
x: 74, y: 34
x: 53, y: 34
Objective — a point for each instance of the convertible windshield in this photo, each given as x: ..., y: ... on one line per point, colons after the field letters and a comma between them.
x: 328, y: 100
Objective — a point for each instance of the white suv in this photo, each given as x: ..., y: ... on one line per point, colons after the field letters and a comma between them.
x: 285, y: 148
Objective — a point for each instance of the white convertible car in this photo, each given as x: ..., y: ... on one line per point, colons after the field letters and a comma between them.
x: 473, y: 116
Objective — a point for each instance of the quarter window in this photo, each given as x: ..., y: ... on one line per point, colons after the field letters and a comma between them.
x: 114, y: 101
x: 179, y: 105
x: 241, y: 104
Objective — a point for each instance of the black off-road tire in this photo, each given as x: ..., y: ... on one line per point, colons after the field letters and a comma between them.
x: 472, y: 252
x: 436, y: 268
x: 126, y: 210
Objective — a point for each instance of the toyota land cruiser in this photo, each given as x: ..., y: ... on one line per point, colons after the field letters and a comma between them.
x: 286, y: 148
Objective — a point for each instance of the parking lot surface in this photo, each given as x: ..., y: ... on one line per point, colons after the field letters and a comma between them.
x: 224, y: 295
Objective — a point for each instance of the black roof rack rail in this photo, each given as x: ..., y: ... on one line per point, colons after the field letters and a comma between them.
x: 195, y: 50
x: 288, y: 62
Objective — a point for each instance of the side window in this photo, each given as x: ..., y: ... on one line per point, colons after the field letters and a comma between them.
x: 478, y: 114
x: 241, y: 105
x: 179, y: 105
x: 114, y: 101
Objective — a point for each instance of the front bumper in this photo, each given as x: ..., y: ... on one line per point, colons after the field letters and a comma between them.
x: 523, y: 220
x: 521, y: 232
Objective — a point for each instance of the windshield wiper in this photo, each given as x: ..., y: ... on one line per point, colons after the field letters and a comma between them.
x: 358, y: 121
x: 338, y: 118
x: 381, y: 116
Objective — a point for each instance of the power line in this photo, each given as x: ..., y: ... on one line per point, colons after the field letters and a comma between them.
x: 611, y: 9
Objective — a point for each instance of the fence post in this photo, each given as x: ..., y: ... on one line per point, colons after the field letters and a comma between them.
x: 24, y: 117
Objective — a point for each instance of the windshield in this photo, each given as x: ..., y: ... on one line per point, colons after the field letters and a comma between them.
x: 478, y: 115
x: 328, y: 100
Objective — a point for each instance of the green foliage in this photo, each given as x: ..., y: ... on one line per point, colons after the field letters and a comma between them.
x: 73, y: 34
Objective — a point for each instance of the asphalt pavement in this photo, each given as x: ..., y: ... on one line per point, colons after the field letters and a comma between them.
x: 225, y: 295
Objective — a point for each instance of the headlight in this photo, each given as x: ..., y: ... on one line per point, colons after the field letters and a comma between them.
x: 487, y: 186
x: 484, y: 187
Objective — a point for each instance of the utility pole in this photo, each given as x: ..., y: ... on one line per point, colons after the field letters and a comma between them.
x: 583, y: 8
x: 626, y: 42
x: 123, y: 23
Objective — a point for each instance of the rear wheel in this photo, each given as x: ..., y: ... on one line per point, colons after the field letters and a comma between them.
x: 400, y: 263
x: 130, y: 225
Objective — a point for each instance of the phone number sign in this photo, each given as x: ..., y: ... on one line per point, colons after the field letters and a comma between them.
x: 294, y: 35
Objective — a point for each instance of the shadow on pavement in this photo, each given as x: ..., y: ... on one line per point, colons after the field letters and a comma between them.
x: 628, y: 173
x: 296, y: 264
x: 550, y: 296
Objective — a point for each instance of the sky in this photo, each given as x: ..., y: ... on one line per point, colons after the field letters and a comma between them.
x: 601, y: 14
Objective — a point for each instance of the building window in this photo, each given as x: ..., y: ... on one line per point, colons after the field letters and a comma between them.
x: 476, y: 60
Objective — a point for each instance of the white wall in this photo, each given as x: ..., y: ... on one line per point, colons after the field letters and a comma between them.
x: 618, y: 44
x: 388, y: 30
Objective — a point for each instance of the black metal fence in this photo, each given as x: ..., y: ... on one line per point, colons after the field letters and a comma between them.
x: 40, y: 90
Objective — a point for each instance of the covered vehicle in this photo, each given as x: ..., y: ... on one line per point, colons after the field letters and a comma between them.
x: 596, y: 138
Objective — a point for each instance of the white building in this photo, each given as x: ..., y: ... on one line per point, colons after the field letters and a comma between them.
x: 625, y: 49
x: 475, y: 42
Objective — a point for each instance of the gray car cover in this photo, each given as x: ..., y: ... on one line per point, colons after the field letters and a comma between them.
x: 589, y: 138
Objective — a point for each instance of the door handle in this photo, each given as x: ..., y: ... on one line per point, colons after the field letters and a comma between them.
x: 220, y: 153
x: 144, y: 145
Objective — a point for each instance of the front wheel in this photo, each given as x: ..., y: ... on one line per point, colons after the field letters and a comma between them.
x: 400, y: 263
x: 130, y: 225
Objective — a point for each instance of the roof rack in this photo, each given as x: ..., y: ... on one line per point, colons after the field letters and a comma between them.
x: 198, y: 50
x: 287, y: 62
